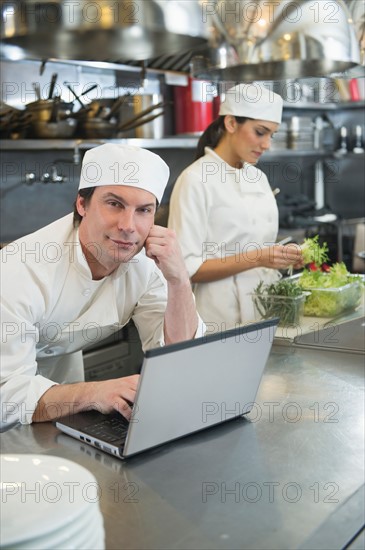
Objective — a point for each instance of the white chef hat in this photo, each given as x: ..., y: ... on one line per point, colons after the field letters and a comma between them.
x: 113, y: 164
x: 252, y: 101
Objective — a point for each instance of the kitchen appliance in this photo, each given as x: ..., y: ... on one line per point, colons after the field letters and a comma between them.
x: 270, y: 40
x: 109, y: 30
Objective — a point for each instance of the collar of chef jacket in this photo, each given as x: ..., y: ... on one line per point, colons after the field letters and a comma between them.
x: 250, y: 179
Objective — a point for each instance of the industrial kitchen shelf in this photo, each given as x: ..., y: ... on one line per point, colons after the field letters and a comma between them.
x: 163, y: 143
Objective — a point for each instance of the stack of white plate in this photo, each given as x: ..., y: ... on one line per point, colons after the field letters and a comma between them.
x: 49, y: 502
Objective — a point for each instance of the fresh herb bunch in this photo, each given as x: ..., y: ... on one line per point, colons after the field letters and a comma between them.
x: 280, y: 299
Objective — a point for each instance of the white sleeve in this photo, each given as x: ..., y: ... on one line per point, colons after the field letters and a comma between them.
x: 21, y: 387
x: 188, y: 216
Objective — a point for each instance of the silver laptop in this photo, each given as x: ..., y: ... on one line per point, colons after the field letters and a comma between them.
x: 183, y: 388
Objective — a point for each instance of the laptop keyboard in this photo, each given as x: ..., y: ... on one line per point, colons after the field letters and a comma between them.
x: 111, y: 430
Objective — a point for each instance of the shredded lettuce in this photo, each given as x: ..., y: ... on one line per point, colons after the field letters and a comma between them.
x: 313, y: 252
x: 331, y: 292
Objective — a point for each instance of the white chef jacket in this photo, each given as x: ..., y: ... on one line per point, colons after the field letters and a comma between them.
x: 51, y: 309
x: 217, y: 211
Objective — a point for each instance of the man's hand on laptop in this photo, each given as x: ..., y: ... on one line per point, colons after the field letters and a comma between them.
x: 115, y: 395
x: 105, y: 396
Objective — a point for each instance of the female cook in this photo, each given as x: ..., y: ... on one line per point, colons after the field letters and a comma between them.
x: 224, y: 211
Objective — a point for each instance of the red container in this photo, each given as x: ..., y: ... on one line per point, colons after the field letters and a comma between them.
x: 354, y: 90
x: 193, y: 107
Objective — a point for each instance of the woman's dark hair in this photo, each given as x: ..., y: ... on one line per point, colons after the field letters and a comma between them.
x: 213, y: 134
x: 86, y: 194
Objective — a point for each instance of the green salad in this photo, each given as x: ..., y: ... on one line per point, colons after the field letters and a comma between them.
x: 332, y: 291
x: 313, y: 252
x: 321, y: 290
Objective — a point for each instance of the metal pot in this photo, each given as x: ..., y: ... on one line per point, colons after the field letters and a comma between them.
x: 133, y: 109
x: 98, y: 108
x: 52, y: 130
x: 97, y: 128
x: 42, y: 109
x: 14, y: 123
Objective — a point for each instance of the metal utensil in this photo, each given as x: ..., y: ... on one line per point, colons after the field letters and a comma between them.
x: 52, y: 85
x: 140, y: 115
x: 37, y: 89
x: 114, y: 108
x: 131, y: 125
x: 77, y: 97
x: 54, y: 111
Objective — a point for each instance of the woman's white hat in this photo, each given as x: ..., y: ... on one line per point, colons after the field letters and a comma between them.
x: 113, y: 164
x: 252, y: 101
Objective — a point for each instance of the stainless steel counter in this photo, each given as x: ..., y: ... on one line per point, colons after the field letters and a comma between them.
x: 288, y: 476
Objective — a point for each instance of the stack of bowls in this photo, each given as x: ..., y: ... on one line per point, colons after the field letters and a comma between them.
x: 280, y: 139
x: 301, y: 133
x: 49, y: 502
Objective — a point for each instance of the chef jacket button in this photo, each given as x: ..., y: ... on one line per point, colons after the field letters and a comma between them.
x: 86, y: 292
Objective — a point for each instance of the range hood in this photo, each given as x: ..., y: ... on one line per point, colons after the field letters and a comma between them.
x: 278, y: 39
x: 216, y: 40
x: 112, y: 31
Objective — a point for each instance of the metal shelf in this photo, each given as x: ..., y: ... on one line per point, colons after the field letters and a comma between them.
x: 51, y: 144
x: 312, y: 106
x: 163, y: 143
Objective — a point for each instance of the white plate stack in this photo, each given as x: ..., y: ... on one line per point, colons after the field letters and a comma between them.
x: 49, y: 502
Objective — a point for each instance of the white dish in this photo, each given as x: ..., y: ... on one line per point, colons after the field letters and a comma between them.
x: 83, y: 531
x: 41, y: 494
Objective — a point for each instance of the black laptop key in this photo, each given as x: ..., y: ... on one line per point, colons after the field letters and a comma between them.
x: 109, y: 430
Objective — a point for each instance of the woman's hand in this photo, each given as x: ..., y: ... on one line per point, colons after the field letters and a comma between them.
x: 282, y: 256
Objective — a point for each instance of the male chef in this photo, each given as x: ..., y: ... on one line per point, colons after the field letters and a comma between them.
x: 82, y: 278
